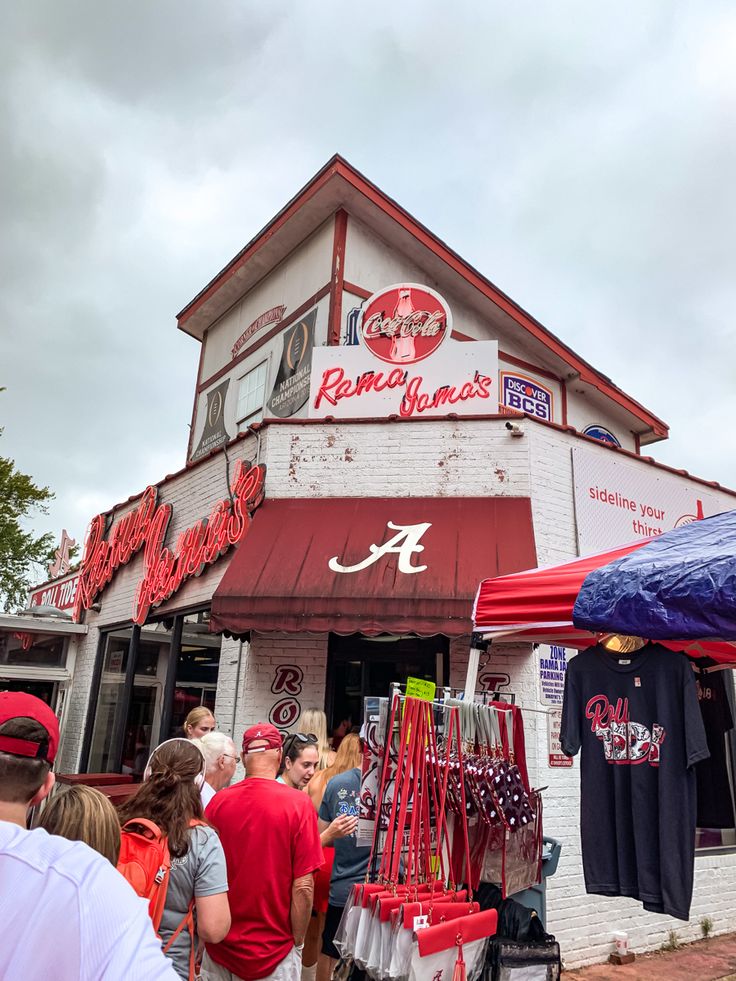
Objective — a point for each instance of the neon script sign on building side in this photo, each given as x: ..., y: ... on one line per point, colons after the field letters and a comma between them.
x: 405, y: 362
x: 145, y: 528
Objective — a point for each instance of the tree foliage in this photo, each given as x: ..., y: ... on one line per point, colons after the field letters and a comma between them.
x: 20, y: 550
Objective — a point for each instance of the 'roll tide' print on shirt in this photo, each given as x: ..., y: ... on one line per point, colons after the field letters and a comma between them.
x: 623, y: 741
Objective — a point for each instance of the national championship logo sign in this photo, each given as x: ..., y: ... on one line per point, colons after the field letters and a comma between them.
x: 215, y: 432
x: 291, y: 388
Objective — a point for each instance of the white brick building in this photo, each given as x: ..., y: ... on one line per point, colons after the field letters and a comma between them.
x: 337, y: 243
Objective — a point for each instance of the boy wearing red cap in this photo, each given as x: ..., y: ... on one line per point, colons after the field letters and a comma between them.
x: 272, y: 847
x: 66, y: 912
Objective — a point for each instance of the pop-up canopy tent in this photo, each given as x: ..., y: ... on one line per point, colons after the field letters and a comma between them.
x: 679, y: 589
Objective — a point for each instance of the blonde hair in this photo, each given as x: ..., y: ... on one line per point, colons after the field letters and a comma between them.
x: 348, y: 756
x: 314, y: 720
x: 84, y: 814
x: 197, y: 715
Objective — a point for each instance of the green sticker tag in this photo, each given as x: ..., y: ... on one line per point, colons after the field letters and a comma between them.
x: 419, y: 688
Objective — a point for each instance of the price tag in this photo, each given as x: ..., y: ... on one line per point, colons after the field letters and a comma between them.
x: 420, y: 922
x: 419, y: 688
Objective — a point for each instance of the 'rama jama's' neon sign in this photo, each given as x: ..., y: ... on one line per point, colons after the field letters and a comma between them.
x: 145, y: 527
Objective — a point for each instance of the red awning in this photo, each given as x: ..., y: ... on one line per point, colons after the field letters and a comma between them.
x: 536, y: 606
x: 409, y: 565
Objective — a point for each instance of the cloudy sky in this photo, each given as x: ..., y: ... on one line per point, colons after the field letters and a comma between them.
x: 582, y: 155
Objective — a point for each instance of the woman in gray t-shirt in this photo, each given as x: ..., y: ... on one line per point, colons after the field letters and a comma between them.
x: 169, y: 796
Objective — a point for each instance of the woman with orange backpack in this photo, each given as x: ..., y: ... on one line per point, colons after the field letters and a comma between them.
x: 173, y: 857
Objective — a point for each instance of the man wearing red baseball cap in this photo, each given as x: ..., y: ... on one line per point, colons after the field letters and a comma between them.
x: 272, y: 847
x: 66, y: 912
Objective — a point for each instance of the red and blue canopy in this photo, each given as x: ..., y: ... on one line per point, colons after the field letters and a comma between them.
x: 679, y: 589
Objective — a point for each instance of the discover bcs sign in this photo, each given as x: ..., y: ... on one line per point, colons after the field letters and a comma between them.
x: 405, y: 363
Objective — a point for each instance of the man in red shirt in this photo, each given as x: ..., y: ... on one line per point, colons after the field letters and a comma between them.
x: 272, y: 847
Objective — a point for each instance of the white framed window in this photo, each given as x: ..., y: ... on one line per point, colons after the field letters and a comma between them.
x: 252, y: 395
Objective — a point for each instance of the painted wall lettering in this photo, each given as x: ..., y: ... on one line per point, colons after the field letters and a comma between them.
x: 288, y: 678
x: 285, y: 712
x: 272, y: 316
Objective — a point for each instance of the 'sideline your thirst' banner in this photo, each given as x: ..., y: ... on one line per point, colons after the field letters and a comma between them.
x: 617, y: 502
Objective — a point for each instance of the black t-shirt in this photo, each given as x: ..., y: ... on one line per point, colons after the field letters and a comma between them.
x: 636, y: 719
x: 715, y: 807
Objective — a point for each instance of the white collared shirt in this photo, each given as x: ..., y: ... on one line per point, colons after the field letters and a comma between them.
x: 206, y: 793
x: 67, y: 913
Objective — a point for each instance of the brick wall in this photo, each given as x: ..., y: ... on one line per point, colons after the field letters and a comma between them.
x: 193, y: 495
x: 422, y: 459
x: 584, y: 924
x: 285, y: 675
x: 443, y: 458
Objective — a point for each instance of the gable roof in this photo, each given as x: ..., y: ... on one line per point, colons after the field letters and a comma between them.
x: 339, y: 185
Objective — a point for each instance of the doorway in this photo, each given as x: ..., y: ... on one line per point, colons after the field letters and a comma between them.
x: 359, y: 666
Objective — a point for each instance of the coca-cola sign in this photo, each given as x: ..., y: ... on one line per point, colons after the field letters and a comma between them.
x: 165, y: 569
x: 404, y: 323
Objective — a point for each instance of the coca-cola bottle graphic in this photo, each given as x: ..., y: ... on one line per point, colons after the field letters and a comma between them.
x: 402, y: 342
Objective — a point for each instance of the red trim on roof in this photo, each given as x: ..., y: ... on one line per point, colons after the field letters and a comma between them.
x: 266, y: 233
x: 337, y: 277
x: 276, y: 329
x: 337, y: 166
x: 587, y: 372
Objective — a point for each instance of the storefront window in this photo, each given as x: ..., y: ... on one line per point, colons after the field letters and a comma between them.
x: 32, y: 650
x: 197, y: 667
x: 196, y: 661
x: 141, y: 714
x: 45, y: 690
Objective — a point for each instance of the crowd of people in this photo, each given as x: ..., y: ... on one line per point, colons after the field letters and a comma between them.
x: 257, y: 871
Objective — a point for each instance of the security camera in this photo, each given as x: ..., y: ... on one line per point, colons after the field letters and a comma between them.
x: 509, y: 425
x: 513, y: 429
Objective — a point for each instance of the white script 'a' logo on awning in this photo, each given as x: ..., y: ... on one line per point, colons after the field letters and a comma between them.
x: 404, y: 543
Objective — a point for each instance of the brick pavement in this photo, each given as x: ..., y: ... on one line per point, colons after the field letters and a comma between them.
x: 704, y: 960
